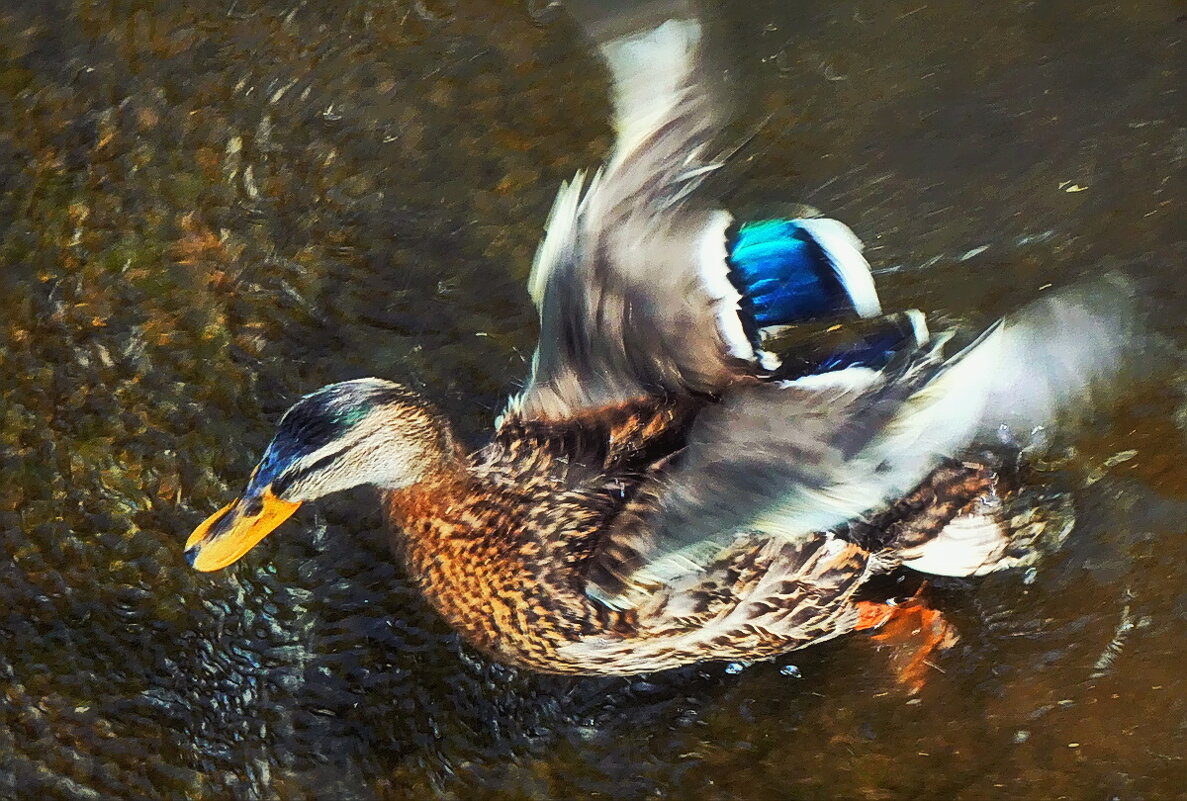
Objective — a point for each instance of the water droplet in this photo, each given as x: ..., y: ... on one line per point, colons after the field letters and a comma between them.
x: 791, y: 670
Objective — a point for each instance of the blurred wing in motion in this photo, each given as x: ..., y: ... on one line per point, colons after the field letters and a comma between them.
x: 638, y: 290
x: 787, y: 460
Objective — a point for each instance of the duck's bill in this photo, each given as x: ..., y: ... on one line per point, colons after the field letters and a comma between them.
x: 235, y: 529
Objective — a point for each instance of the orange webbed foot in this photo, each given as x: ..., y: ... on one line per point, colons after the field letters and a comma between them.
x: 914, y: 631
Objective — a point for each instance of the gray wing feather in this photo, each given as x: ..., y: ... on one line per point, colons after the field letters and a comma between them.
x: 787, y: 461
x: 629, y: 280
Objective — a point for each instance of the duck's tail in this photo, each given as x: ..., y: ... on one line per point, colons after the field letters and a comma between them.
x: 791, y: 271
x: 970, y: 545
x: 1062, y: 356
x: 1001, y: 527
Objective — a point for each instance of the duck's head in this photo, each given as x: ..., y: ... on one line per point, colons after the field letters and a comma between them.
x: 366, y: 431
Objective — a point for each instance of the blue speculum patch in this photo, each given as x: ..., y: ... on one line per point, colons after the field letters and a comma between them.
x: 783, y: 275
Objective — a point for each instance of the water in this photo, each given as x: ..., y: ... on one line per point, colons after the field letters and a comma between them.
x: 209, y: 208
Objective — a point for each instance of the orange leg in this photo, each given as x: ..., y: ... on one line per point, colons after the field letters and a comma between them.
x: 914, y: 631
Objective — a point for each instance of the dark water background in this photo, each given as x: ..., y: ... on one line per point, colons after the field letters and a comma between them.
x: 210, y: 207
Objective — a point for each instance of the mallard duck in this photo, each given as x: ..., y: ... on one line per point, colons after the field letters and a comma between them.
x: 666, y: 488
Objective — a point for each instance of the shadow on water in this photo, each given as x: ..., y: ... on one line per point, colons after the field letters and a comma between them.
x: 207, y: 209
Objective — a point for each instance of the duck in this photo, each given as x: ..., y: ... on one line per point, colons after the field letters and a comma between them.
x: 670, y: 486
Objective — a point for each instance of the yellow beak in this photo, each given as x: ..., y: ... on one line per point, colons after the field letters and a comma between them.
x: 232, y: 531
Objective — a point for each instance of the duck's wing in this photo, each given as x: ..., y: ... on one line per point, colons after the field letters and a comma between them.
x: 789, y: 460
x: 641, y: 292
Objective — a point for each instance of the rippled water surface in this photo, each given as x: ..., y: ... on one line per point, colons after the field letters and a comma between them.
x: 208, y: 208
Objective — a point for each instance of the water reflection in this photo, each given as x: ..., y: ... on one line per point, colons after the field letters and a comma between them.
x: 210, y: 208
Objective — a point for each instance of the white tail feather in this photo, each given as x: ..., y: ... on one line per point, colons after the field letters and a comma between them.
x: 970, y: 545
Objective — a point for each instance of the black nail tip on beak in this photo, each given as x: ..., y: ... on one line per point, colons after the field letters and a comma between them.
x: 191, y: 555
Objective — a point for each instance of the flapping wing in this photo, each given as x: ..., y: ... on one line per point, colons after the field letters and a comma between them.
x: 787, y: 460
x: 642, y: 292
x: 627, y: 304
